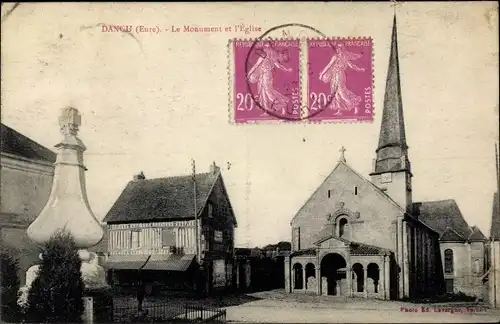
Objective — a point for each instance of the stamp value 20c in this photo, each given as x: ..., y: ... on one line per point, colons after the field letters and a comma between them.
x: 268, y: 83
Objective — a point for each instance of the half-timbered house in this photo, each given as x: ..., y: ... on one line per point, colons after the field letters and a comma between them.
x: 155, y: 236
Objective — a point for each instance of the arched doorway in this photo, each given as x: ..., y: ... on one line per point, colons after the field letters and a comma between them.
x: 373, y: 274
x: 357, y: 268
x: 333, y: 268
x: 298, y: 278
x: 310, y: 272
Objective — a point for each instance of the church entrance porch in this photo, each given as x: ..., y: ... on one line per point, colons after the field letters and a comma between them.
x: 342, y: 268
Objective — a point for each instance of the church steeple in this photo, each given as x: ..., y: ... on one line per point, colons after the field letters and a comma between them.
x: 392, y: 151
x: 391, y: 169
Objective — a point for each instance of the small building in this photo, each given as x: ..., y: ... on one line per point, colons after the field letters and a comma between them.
x: 155, y: 237
x: 26, y: 174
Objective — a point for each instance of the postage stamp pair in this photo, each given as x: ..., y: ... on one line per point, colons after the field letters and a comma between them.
x: 299, y: 80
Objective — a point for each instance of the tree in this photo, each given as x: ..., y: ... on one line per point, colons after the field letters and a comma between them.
x: 9, y: 285
x: 56, y: 294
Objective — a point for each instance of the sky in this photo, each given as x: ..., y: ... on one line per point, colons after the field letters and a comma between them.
x: 152, y: 102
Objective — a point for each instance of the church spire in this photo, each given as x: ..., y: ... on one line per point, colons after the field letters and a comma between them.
x: 392, y: 148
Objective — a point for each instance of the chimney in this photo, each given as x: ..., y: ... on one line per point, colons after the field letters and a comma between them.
x: 214, y: 169
x: 139, y: 176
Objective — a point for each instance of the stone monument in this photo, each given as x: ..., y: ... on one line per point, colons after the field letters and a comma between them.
x: 68, y: 208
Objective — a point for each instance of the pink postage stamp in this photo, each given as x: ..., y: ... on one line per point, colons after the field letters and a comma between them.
x: 340, y: 79
x: 266, y: 80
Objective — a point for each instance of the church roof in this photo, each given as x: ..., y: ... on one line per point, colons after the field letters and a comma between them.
x: 441, y: 215
x: 476, y: 234
x: 450, y: 235
x: 342, y: 163
x: 495, y: 219
x: 356, y: 248
x: 392, y: 139
x: 366, y: 249
x: 162, y: 199
x: 15, y: 143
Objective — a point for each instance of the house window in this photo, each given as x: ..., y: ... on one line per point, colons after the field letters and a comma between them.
x: 167, y: 237
x: 135, y: 239
x: 210, y: 210
x: 342, y: 227
x: 448, y: 261
x: 218, y: 236
x: 355, y: 191
x: 477, y: 266
x: 329, y: 193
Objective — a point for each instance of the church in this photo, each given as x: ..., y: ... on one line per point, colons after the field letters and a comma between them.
x: 366, y: 237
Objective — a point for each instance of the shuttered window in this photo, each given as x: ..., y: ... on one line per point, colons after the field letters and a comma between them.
x: 135, y: 239
x: 168, y: 237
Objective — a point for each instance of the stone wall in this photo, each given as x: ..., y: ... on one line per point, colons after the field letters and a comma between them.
x: 25, y: 187
x: 344, y: 186
x: 466, y: 278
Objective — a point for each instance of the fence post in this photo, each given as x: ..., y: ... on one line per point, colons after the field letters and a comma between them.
x: 186, y: 310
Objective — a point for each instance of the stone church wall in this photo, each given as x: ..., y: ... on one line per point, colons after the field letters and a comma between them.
x: 468, y: 267
x: 376, y: 214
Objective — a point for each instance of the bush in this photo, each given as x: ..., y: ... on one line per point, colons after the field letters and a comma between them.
x: 56, y: 294
x: 9, y: 286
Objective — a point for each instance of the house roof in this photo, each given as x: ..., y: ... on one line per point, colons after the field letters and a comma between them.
x: 495, y: 219
x: 440, y: 215
x: 15, y: 143
x: 161, y: 199
x: 126, y: 262
x: 172, y: 262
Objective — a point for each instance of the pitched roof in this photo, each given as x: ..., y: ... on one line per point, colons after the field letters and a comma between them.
x: 450, y: 235
x: 382, y: 193
x: 392, y: 139
x: 366, y: 249
x: 440, y: 215
x: 162, y: 199
x: 495, y: 219
x: 476, y: 234
x: 17, y: 144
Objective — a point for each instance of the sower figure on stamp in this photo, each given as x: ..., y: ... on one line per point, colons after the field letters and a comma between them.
x: 334, y: 73
x: 262, y: 74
